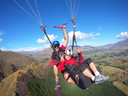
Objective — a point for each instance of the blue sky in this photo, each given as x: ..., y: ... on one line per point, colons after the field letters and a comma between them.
x: 98, y: 22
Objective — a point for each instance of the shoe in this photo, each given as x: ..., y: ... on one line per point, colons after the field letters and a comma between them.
x: 87, y: 89
x: 101, y: 78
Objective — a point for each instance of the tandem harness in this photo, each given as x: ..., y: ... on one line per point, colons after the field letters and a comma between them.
x: 75, y: 72
x: 72, y: 72
x: 55, y: 55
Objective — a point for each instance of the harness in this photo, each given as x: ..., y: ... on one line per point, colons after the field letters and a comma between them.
x: 72, y: 72
x: 77, y: 76
x: 55, y: 57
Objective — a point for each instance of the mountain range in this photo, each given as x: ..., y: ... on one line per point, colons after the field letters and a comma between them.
x: 10, y: 62
x: 17, y: 68
x: 117, y: 45
x: 47, y: 52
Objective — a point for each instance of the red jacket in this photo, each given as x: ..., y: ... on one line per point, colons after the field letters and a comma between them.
x: 61, y: 67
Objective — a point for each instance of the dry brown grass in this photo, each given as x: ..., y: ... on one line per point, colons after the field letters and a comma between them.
x: 112, y: 70
x: 121, y: 86
x: 17, y: 81
x: 117, y: 76
x: 12, y: 61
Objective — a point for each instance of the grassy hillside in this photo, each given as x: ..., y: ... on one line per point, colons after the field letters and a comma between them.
x: 45, y: 87
x: 110, y: 62
x: 15, y: 84
x: 10, y: 62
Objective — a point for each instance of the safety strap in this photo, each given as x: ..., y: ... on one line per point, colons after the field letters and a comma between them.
x: 43, y: 28
x: 70, y: 70
x: 74, y: 29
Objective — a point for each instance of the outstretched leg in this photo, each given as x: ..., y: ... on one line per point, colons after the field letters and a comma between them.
x: 98, y: 76
x: 97, y: 79
x: 87, y: 73
x: 94, y: 69
x: 92, y: 66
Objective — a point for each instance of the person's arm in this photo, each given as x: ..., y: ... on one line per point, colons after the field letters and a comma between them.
x: 55, y: 69
x: 80, y: 54
x: 65, y: 36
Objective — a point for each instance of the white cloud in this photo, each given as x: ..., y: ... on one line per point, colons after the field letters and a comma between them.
x: 41, y: 41
x: 3, y: 49
x: 1, y: 40
x: 122, y: 35
x: 90, y: 43
x: 32, y: 48
x: 44, y: 40
x: 82, y: 43
x: 80, y: 35
x: 27, y: 48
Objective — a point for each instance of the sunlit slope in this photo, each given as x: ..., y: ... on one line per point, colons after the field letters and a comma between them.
x: 16, y: 83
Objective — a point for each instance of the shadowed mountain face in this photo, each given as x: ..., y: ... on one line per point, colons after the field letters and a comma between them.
x: 11, y: 62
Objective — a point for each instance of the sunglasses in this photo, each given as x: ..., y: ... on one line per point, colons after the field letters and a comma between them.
x: 56, y: 46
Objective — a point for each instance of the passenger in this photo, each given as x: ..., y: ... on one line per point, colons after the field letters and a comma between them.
x: 70, y: 66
